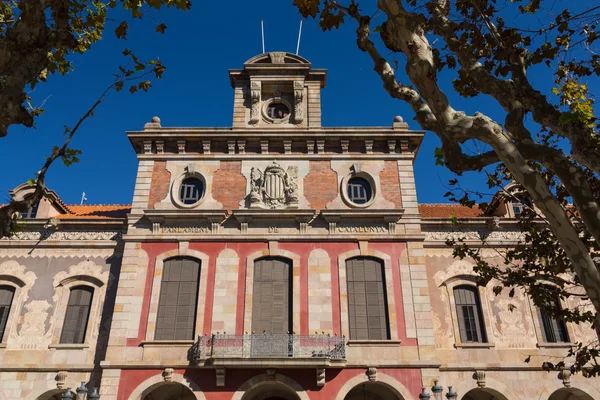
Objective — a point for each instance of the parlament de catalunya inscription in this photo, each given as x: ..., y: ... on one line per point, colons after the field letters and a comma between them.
x: 205, y: 230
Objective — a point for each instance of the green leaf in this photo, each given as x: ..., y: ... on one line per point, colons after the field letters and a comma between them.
x: 31, y: 182
x: 378, y: 28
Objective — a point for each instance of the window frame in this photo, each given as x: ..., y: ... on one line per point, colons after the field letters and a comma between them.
x: 539, y: 329
x: 157, y: 271
x: 468, y: 280
x: 86, y: 273
x: 83, y: 287
x: 479, y: 321
x: 385, y: 305
x: 290, y: 290
x: 344, y: 189
x: 176, y: 189
x: 16, y: 276
x: 197, y: 285
x: 4, y: 330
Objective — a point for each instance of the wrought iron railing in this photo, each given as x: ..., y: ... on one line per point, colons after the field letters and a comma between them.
x: 269, y: 345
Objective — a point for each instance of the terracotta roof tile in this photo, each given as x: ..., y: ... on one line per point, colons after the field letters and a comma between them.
x: 96, y: 211
x: 445, y: 210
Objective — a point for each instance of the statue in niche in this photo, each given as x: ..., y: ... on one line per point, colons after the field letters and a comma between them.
x: 275, y: 188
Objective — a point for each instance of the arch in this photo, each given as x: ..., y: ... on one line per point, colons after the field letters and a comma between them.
x: 492, y: 386
x: 390, y: 383
x: 159, y: 263
x: 147, y: 386
x: 86, y: 273
x: 15, y: 275
x: 53, y: 394
x: 260, y: 381
x: 483, y: 394
x: 265, y: 58
x: 570, y: 394
x: 389, y: 287
x: 273, y: 251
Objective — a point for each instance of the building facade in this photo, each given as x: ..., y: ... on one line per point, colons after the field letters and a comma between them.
x: 276, y: 259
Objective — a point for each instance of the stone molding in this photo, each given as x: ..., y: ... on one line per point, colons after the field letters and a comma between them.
x: 157, y: 280
x: 273, y: 251
x: 263, y: 379
x: 474, y: 235
x: 144, y: 388
x: 64, y: 235
x: 389, y: 282
x: 390, y: 383
x: 82, y: 270
x: 15, y: 275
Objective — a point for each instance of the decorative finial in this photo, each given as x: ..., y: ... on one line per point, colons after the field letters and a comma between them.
x: 397, y: 118
x: 424, y: 395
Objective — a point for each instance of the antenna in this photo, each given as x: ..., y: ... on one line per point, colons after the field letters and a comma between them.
x: 262, y: 30
x: 299, y: 35
x: 83, y: 198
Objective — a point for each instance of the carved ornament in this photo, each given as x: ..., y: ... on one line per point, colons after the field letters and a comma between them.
x: 84, y: 268
x: 298, y: 102
x: 168, y: 374
x: 275, y: 188
x: 33, y: 333
x: 255, y: 97
x: 14, y: 269
x: 48, y: 235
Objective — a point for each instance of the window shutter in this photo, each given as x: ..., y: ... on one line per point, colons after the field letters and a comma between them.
x: 6, y: 297
x: 77, y: 315
x: 468, y: 313
x: 178, y: 299
x: 553, y: 330
x: 271, y: 305
x: 367, y: 303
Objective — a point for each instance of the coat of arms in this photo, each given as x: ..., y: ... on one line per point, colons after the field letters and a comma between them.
x: 274, y: 188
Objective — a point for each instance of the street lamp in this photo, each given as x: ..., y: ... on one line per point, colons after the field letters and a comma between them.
x: 82, y: 393
x: 437, y: 393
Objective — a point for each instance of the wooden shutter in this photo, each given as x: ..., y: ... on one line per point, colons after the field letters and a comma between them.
x: 77, y: 315
x: 271, y: 304
x: 6, y: 297
x: 178, y: 299
x: 367, y: 302
x: 554, y: 330
x: 469, y: 315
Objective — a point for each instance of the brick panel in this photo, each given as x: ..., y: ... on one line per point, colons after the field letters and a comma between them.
x: 229, y: 185
x: 161, y: 180
x: 321, y: 184
x: 390, y: 183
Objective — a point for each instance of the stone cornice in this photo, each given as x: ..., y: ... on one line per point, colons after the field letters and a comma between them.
x: 207, y: 237
x: 247, y: 143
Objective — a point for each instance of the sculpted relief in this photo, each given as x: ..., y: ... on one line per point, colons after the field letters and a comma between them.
x: 274, y: 188
x: 33, y: 333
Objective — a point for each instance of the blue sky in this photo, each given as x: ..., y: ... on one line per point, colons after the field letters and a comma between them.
x: 198, y: 49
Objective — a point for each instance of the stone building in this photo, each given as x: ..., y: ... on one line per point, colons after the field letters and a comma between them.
x: 276, y: 259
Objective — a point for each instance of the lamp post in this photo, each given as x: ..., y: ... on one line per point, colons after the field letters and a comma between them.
x: 437, y: 392
x: 82, y: 393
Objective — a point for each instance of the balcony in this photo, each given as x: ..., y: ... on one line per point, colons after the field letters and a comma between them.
x: 270, y: 349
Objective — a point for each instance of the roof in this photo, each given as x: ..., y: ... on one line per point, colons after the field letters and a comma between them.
x: 96, y: 211
x: 446, y: 210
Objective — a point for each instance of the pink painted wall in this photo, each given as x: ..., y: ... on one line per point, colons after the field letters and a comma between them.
x: 235, y: 378
x: 303, y: 249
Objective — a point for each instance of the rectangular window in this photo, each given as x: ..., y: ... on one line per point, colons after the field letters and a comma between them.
x: 178, y: 300
x: 77, y: 315
x: 6, y: 297
x: 367, y: 300
x: 554, y: 330
x: 469, y: 315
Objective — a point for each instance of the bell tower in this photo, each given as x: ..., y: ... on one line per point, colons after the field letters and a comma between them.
x: 277, y: 90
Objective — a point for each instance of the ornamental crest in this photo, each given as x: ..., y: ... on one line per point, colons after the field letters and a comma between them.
x: 274, y: 188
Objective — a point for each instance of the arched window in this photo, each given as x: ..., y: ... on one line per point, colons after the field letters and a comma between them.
x: 554, y: 329
x: 271, y: 300
x: 76, y: 317
x: 31, y: 212
x: 6, y: 297
x: 178, y: 299
x: 367, y: 299
x: 470, y: 318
